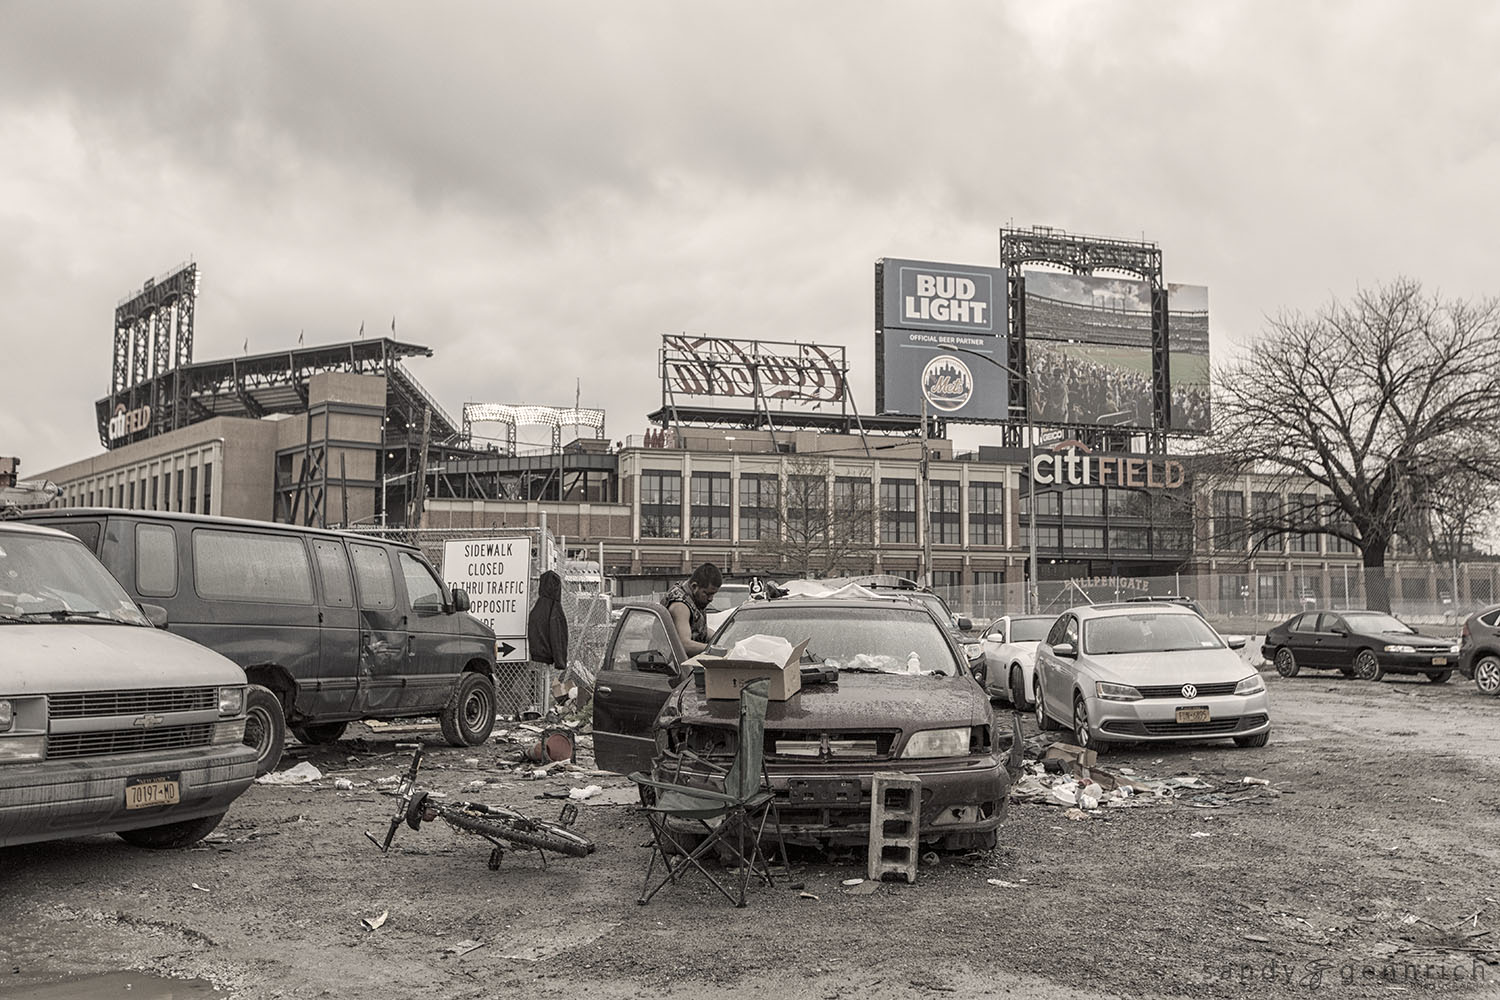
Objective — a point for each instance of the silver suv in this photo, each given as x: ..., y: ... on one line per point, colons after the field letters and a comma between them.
x: 107, y: 724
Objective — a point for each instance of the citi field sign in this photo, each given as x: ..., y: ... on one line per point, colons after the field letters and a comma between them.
x: 128, y: 422
x: 1072, y: 463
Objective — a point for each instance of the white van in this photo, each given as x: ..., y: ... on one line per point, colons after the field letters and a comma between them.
x: 107, y: 723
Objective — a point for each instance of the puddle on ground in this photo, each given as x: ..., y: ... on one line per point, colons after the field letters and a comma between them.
x: 112, y: 985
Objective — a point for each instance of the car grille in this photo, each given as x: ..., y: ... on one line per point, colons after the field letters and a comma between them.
x: 72, y: 745
x: 1175, y: 690
x: 93, y: 704
x: 795, y: 744
x: 1216, y: 726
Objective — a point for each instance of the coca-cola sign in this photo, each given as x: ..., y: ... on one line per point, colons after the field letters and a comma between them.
x: 715, y: 366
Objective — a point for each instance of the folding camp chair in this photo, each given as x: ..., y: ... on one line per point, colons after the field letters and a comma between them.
x: 728, y: 819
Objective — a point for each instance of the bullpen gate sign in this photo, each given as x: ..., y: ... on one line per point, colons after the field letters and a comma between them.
x: 940, y: 338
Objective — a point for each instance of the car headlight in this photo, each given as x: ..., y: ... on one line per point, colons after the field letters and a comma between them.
x: 231, y: 700
x: 1250, y: 685
x: 937, y: 743
x: 19, y: 749
x: 1398, y: 648
x: 1452, y: 649
x: 1116, y: 692
x: 7, y: 715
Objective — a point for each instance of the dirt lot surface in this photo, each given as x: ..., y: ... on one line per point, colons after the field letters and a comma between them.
x: 1366, y: 868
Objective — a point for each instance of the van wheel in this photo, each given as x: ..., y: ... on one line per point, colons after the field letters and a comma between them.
x: 328, y: 732
x: 469, y: 716
x: 170, y: 836
x: 265, y: 728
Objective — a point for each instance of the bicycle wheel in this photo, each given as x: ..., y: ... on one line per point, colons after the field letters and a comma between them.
x: 521, y: 830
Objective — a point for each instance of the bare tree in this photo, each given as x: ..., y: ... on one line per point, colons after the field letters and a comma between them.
x: 825, y: 525
x: 1367, y: 415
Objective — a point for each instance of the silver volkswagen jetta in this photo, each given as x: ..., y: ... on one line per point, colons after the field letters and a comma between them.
x: 1133, y: 672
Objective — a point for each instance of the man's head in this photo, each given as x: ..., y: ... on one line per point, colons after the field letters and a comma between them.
x: 704, y: 584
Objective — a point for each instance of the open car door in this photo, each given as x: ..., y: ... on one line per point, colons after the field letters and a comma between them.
x: 642, y: 664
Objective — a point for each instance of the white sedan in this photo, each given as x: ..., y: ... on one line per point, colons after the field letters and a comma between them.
x: 1009, y: 646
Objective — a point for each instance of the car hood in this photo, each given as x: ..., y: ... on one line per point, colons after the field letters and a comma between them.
x: 68, y: 656
x: 1197, y: 666
x: 856, y: 701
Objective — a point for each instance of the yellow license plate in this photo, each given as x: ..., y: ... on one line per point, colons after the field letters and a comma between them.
x: 149, y: 793
x: 1439, y: 661
x: 1196, y: 714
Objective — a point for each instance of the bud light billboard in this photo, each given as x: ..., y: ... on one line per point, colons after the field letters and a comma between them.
x: 940, y: 341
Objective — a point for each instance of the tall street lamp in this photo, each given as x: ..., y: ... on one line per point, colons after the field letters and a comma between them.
x: 1033, y: 601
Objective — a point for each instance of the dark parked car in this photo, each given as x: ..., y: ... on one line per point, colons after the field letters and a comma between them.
x: 1363, y: 644
x: 903, y: 700
x: 1479, y: 650
x: 329, y: 626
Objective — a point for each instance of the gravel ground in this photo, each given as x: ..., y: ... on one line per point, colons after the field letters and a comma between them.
x: 1366, y: 868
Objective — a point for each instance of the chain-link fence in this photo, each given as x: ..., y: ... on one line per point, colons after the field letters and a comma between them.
x: 1251, y: 600
x: 524, y: 688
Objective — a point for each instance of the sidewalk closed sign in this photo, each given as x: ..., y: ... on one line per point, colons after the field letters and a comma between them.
x: 496, y: 574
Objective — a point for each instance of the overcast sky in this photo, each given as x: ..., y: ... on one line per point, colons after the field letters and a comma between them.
x: 538, y: 191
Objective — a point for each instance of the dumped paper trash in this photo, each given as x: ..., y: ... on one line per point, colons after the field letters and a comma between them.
x: 587, y: 792
x: 304, y: 773
x: 852, y: 881
x: 1002, y: 884
x: 1254, y: 781
x: 771, y: 648
x: 374, y: 923
x: 389, y: 783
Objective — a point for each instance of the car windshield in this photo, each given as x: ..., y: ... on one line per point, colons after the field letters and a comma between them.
x: 1148, y: 632
x: 730, y: 596
x: 893, y: 640
x: 1376, y: 623
x: 1030, y: 629
x: 44, y: 578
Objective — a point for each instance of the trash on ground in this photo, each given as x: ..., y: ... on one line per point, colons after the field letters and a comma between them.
x: 304, y: 773
x: 852, y: 881
x: 1002, y: 884
x: 806, y: 895
x: 463, y: 948
x: 1076, y: 815
x: 1200, y: 833
x: 343, y: 784
x: 200, y: 888
x: 374, y: 923
x: 1254, y: 781
x: 586, y: 792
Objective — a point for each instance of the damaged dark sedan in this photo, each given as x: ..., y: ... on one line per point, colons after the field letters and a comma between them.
x: 884, y: 688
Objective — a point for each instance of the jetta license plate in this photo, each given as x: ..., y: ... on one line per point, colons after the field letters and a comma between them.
x: 1197, y: 713
x: 148, y: 793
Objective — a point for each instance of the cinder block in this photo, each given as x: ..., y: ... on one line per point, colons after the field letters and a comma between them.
x: 895, y: 818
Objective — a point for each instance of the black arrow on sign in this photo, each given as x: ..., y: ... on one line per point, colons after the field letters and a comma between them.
x: 506, y: 649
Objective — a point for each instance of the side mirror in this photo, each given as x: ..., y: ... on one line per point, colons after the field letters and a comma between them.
x: 460, y: 599
x: 155, y: 614
x: 965, y: 625
x: 1235, y: 641
x: 1065, y: 650
x: 1341, y: 632
x: 652, y: 661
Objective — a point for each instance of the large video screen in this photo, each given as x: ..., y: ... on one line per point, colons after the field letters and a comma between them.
x: 1092, y: 310
x: 1187, y: 347
x: 1076, y: 383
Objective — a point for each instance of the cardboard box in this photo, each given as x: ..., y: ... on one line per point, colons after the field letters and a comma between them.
x: 723, y: 676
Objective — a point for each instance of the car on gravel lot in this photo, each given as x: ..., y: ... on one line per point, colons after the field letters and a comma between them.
x: 1146, y: 673
x: 1479, y: 650
x: 1009, y: 647
x: 886, y: 689
x: 329, y: 626
x: 107, y: 723
x: 1363, y: 644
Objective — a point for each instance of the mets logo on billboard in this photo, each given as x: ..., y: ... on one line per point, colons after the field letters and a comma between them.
x: 947, y: 383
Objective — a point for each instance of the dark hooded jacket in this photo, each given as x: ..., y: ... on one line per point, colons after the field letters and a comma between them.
x: 546, y: 627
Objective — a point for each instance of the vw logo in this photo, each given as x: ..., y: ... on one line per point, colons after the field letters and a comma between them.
x: 1189, y: 691
x: 148, y: 721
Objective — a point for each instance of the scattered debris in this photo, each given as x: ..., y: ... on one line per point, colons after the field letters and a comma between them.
x: 807, y: 895
x: 852, y: 881
x: 463, y: 948
x: 1002, y: 884
x: 1261, y: 938
x: 375, y: 923
x: 200, y: 888
x: 1200, y: 833
x: 343, y: 784
x: 586, y: 792
x: 303, y: 774
x: 1254, y: 781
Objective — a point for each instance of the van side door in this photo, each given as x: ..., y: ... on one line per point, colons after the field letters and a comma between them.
x: 642, y: 665
x: 338, y: 666
x: 435, y: 650
x: 382, y: 633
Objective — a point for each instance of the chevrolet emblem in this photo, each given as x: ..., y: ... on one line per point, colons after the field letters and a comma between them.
x: 148, y: 721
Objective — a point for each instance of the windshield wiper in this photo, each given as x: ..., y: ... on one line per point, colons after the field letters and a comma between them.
x: 66, y: 614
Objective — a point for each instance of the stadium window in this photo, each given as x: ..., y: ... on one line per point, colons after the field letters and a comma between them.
x: 192, y: 507
x: 758, y: 506
x: 661, y: 504
x: 945, y: 513
x: 854, y: 507
x: 1263, y: 507
x: 986, y: 514
x: 709, y: 494
x: 1048, y: 503
x: 1229, y: 521
x: 898, y: 511
x: 208, y: 487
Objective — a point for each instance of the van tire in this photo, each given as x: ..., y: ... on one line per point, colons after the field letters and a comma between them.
x: 469, y: 716
x: 265, y: 727
x: 171, y: 836
x: 327, y: 732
